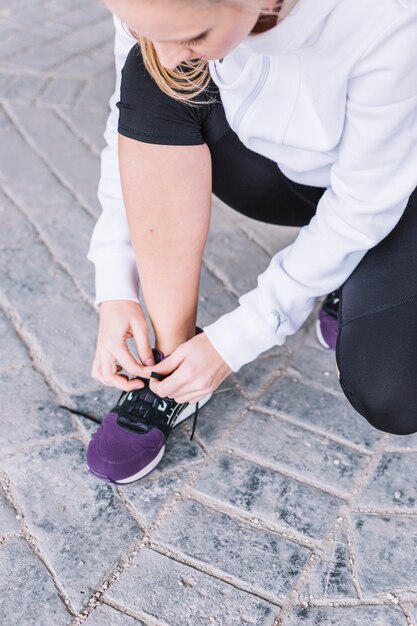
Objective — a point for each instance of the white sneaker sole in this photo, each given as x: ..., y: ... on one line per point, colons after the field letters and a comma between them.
x: 190, y: 410
x: 320, y: 337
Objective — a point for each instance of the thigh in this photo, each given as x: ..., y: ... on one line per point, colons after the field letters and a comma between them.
x: 248, y: 182
x: 377, y: 344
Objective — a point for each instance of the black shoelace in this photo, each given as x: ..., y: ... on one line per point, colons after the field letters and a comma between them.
x: 139, y: 411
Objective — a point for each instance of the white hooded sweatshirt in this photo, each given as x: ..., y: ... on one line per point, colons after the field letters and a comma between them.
x: 330, y: 95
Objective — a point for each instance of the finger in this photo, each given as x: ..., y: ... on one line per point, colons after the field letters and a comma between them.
x: 167, y: 366
x: 109, y: 374
x: 143, y: 345
x: 125, y: 358
x: 176, y: 384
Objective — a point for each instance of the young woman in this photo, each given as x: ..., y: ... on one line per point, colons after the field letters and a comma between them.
x: 297, y: 113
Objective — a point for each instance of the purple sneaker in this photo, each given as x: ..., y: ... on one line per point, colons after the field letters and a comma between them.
x: 327, y: 325
x: 130, y: 441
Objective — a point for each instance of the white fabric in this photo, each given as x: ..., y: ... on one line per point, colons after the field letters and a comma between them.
x: 330, y: 94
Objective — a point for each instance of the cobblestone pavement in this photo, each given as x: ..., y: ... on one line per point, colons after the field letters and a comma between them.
x: 287, y: 509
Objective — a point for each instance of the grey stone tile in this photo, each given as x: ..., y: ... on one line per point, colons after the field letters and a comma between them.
x: 97, y: 403
x: 90, y: 64
x: 403, y: 442
x: 215, y: 417
x: 413, y: 612
x: 261, y: 558
x: 303, y: 453
x: 61, y: 92
x: 77, y: 166
x: 97, y: 92
x: 149, y: 496
x: 92, y: 12
x: 8, y: 521
x: 214, y: 299
x: 180, y: 451
x: 105, y: 615
x: 5, y: 123
x: 78, y: 521
x: 89, y: 124
x: 227, y: 248
x: 29, y: 410
x: 317, y: 365
x: 183, y: 596
x: 24, y: 87
x: 64, y: 225
x: 347, y: 616
x: 27, y: 593
x: 253, y: 376
x: 332, y: 578
x: 61, y: 325
x: 12, y: 351
x: 320, y: 409
x: 269, y: 495
x: 394, y: 483
x: 386, y: 549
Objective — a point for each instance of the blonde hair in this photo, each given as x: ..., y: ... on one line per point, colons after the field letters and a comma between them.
x: 187, y: 81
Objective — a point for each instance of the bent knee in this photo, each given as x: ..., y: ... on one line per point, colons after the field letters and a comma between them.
x: 389, y: 406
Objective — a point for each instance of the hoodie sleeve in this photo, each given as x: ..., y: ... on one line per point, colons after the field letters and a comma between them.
x: 110, y: 247
x: 371, y: 182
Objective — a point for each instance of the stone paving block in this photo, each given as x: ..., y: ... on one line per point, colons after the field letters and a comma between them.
x: 5, y: 123
x: 89, y: 124
x: 413, y: 612
x: 302, y: 453
x: 97, y: 92
x: 319, y: 409
x: 236, y: 259
x: 105, y: 615
x: 149, y: 496
x: 269, y: 495
x: 56, y: 214
x: 24, y: 87
x: 91, y: 64
x: 61, y: 92
x: 27, y: 593
x: 183, y: 596
x: 12, y: 351
x: 215, y: 417
x: 253, y: 376
x: 394, y: 483
x: 29, y: 410
x: 82, y: 15
x: 8, y: 521
x: 96, y: 403
x: 262, y: 559
x: 331, y: 578
x: 78, y: 521
x: 347, y: 616
x: 180, y: 451
x: 317, y: 365
x: 61, y: 325
x: 214, y: 300
x: 386, y: 553
x: 70, y: 157
x: 403, y: 442
x: 15, y: 42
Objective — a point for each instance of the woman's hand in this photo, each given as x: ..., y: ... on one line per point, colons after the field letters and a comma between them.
x: 120, y: 320
x: 194, y: 369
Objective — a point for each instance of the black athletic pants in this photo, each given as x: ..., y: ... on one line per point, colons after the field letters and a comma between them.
x: 377, y: 343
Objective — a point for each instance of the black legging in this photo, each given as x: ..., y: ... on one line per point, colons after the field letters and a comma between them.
x: 377, y: 344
